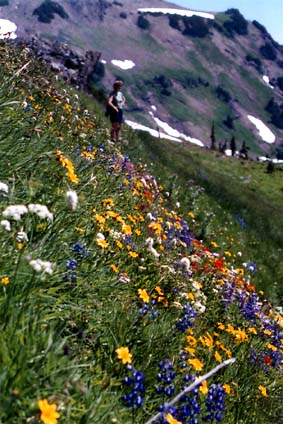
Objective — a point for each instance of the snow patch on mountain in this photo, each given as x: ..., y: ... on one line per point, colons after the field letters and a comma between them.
x: 264, y: 131
x: 123, y: 64
x: 180, y: 12
x: 266, y: 80
x: 154, y: 133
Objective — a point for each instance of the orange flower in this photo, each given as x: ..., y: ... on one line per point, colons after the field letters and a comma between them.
x: 124, y: 354
x: 49, y: 414
x: 263, y: 391
x: 143, y: 295
x: 196, y: 364
x: 5, y: 280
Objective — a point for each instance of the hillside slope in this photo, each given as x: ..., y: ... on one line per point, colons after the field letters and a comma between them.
x: 187, y: 72
x: 109, y: 304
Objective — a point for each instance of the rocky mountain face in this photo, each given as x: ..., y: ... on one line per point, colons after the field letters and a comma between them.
x: 193, y: 73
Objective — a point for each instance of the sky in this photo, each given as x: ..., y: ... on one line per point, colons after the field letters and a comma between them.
x: 267, y: 12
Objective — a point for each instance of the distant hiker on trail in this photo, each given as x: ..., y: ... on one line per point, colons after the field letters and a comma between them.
x: 116, y: 102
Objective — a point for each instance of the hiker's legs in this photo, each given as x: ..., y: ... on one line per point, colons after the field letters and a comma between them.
x: 115, y: 131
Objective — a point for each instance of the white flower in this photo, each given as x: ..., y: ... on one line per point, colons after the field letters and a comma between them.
x: 15, y: 212
x: 4, y: 188
x: 44, y: 266
x: 178, y: 205
x: 149, y: 242
x: 199, y: 307
x: 21, y: 236
x: 41, y: 211
x: 153, y: 252
x: 72, y: 200
x: 100, y: 236
x: 6, y: 225
x: 185, y: 264
x: 150, y: 216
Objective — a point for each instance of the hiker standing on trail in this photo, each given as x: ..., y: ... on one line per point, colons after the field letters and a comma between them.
x: 116, y: 102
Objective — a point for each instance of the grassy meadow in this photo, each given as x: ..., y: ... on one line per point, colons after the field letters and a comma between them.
x: 114, y: 298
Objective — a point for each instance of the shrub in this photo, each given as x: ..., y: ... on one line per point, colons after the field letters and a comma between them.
x: 254, y: 61
x: 142, y: 22
x: 237, y: 23
x: 123, y: 15
x: 4, y: 3
x: 268, y: 52
x: 276, y: 111
x: 260, y: 27
x: 223, y: 94
x: 195, y: 26
x: 48, y: 9
x: 280, y: 83
x: 174, y: 22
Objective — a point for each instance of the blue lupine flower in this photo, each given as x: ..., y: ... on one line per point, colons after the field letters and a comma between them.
x: 134, y: 381
x: 188, y: 315
x: 215, y: 403
x: 165, y: 377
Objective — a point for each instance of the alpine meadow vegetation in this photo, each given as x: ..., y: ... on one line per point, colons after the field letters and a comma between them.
x: 112, y: 309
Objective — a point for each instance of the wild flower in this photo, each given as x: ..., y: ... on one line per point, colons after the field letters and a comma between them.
x: 49, y: 414
x: 5, y: 280
x: 4, y: 188
x: 44, y: 266
x: 143, y: 295
x: 72, y: 200
x: 124, y: 355
x: 215, y: 403
x: 21, y: 236
x: 187, y: 320
x: 165, y: 378
x: 196, y: 364
x: 263, y: 390
x: 15, y: 212
x: 124, y: 278
x: 41, y: 211
x: 134, y: 382
x: 171, y: 420
x: 6, y: 225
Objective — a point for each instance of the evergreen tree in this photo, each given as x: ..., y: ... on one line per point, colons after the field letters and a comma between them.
x: 244, y: 150
x: 270, y: 167
x: 212, y: 137
x: 233, y: 146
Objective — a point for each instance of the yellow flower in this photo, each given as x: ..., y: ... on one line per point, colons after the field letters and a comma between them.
x: 138, y: 232
x: 102, y: 243
x: 80, y: 230
x: 191, y: 215
x: 191, y: 296
x: 227, y: 253
x: 114, y: 268
x: 217, y: 356
x: 171, y: 420
x: 143, y: 295
x: 20, y: 246
x: 271, y: 347
x: 133, y: 254
x: 119, y: 244
x: 207, y: 341
x: 190, y: 350
x: 227, y: 388
x: 191, y: 340
x: 240, y: 271
x: 196, y: 364
x: 267, y: 332
x: 107, y: 202
x: 214, y: 244
x: 159, y: 290
x: 126, y: 229
x: 263, y: 391
x: 5, y: 281
x: 124, y: 354
x: 204, y: 388
x: 49, y: 414
x: 252, y: 330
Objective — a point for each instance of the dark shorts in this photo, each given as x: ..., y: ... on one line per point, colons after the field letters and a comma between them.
x: 116, y: 116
